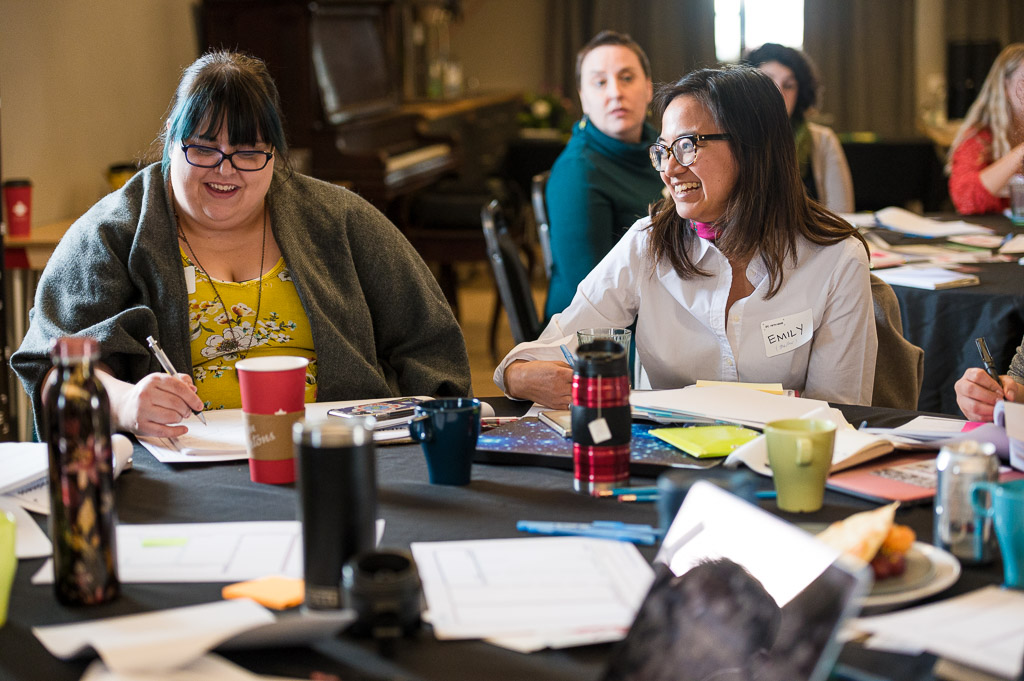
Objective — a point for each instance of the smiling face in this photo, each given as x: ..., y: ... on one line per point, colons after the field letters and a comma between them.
x: 786, y: 81
x: 702, y: 189
x: 222, y: 197
x: 615, y: 92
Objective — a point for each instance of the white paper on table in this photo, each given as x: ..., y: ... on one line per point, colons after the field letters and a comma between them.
x: 553, y: 588
x: 982, y: 629
x: 223, y: 438
x: 161, y: 640
x: 21, y: 464
x: 35, y: 498
x: 29, y: 540
x: 727, y: 403
x: 206, y: 552
x: 203, y: 552
x: 932, y: 424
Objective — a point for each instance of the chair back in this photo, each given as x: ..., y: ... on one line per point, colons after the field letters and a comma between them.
x: 899, y: 366
x: 510, y: 275
x: 540, y: 214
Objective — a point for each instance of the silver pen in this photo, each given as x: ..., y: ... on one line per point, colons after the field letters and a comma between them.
x: 161, y: 357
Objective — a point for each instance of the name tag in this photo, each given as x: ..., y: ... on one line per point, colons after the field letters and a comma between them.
x: 190, y: 279
x: 786, y: 334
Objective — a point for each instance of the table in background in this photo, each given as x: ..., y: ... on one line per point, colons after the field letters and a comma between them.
x: 945, y: 323
x: 414, y: 511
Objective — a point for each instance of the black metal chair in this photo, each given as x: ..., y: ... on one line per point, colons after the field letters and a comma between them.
x: 510, y: 275
x: 540, y: 214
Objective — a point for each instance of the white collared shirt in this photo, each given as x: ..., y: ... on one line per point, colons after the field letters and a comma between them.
x: 682, y: 334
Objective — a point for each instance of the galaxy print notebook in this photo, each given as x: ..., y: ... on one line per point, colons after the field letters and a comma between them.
x: 532, y: 443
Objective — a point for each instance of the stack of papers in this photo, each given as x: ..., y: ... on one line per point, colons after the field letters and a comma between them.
x: 532, y: 593
x: 983, y: 630
x: 933, y: 278
x: 905, y: 222
x: 725, y: 403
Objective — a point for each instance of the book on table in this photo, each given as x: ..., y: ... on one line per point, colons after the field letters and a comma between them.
x: 931, y: 278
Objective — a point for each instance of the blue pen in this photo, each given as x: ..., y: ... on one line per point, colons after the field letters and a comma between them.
x: 602, y: 529
x: 568, y: 356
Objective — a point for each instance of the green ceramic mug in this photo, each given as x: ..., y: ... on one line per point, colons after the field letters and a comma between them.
x: 8, y: 561
x: 800, y: 455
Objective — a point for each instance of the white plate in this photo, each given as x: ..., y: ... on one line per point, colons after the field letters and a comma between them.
x: 945, y: 570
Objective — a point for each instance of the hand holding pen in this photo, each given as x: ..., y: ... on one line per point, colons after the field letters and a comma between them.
x: 165, y: 362
x: 975, y: 394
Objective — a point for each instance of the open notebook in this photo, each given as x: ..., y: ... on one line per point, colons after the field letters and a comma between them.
x: 738, y: 595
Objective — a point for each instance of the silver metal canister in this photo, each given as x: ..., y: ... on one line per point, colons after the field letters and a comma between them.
x: 958, y: 529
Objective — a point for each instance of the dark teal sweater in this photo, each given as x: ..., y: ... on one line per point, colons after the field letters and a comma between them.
x: 599, y: 186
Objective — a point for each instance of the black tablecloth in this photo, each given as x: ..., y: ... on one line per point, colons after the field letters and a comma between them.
x: 945, y: 323
x: 414, y: 511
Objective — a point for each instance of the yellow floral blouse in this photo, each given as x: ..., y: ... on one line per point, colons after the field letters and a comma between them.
x: 282, y: 329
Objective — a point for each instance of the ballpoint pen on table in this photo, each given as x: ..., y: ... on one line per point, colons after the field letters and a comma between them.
x: 601, y: 529
x: 986, y: 359
x: 161, y: 357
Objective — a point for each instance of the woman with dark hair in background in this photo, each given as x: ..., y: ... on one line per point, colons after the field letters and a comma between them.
x: 736, y: 276
x: 221, y: 252
x: 602, y: 181
x: 823, y: 165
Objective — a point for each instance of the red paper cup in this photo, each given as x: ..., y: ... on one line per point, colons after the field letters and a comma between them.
x: 273, y: 392
x: 18, y: 207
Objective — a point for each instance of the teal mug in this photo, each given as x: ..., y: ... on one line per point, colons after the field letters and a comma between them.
x: 447, y: 430
x: 1006, y: 508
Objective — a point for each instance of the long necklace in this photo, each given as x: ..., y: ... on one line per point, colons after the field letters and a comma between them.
x: 259, y: 288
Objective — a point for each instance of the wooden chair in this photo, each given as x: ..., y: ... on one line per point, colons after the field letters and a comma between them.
x: 540, y: 213
x: 510, y: 276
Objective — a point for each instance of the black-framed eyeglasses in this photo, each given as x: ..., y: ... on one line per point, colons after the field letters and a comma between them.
x: 210, y: 157
x: 683, y: 149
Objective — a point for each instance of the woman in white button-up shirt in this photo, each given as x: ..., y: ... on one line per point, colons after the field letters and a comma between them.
x: 737, y: 276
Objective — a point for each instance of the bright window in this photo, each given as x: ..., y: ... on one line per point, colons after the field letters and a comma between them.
x: 762, y: 21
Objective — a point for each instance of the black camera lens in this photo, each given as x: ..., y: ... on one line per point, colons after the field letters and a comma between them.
x: 383, y: 587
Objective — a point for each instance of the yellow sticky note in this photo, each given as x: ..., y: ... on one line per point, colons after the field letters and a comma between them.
x: 274, y: 592
x: 706, y: 441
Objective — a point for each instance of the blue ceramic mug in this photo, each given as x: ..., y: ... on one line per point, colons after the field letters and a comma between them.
x: 447, y: 429
x: 1007, y: 510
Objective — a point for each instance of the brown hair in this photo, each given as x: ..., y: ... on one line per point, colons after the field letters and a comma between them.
x: 611, y: 38
x: 768, y: 209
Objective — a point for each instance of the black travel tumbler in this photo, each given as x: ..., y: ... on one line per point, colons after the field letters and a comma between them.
x: 337, y: 482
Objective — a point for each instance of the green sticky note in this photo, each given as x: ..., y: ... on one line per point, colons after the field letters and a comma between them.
x: 164, y: 541
x: 706, y: 441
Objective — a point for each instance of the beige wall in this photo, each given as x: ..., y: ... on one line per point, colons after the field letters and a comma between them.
x: 501, y: 44
x: 84, y: 85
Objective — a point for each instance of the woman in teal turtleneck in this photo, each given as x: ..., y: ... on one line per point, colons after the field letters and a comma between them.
x: 603, y: 181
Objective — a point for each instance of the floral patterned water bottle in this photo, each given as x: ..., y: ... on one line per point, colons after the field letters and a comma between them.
x: 76, y: 422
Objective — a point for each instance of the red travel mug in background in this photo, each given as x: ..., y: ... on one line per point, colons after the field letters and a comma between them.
x: 601, y: 421
x: 18, y: 207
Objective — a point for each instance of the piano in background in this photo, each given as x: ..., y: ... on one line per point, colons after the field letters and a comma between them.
x: 338, y: 69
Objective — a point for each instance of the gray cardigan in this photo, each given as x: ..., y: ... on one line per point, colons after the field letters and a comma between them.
x: 381, y: 326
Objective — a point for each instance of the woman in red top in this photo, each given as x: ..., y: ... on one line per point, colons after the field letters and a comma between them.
x: 989, y: 147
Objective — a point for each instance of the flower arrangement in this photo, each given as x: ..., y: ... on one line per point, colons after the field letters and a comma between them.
x: 547, y: 111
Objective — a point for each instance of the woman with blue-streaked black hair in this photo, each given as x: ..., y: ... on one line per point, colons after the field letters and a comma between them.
x: 222, y: 252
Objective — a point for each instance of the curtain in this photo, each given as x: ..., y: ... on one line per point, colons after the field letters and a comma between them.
x: 864, y: 50
x: 980, y: 20
x: 677, y: 36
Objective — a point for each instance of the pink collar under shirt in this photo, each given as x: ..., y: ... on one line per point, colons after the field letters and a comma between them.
x: 704, y: 230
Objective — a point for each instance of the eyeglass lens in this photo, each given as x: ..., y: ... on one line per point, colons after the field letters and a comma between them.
x: 684, y: 150
x: 209, y: 157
